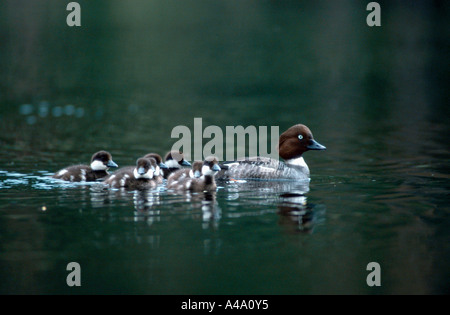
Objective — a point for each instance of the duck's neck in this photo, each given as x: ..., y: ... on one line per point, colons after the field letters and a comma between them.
x: 299, y: 162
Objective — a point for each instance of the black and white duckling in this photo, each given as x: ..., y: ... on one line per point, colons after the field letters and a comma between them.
x: 159, y: 173
x: 194, y: 172
x: 141, y: 177
x: 100, y: 162
x: 174, y: 161
x: 205, y: 182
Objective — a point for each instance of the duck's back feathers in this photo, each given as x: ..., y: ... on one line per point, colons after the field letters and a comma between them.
x: 262, y: 168
x: 80, y: 173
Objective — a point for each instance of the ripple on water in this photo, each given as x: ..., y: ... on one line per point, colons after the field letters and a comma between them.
x: 41, y: 181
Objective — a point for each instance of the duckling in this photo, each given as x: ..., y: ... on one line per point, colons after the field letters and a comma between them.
x: 194, y: 172
x: 174, y: 161
x: 205, y: 182
x: 141, y: 177
x: 159, y: 173
x: 158, y: 176
x: 100, y: 162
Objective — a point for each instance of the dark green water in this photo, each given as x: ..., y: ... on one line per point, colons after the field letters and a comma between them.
x: 376, y: 97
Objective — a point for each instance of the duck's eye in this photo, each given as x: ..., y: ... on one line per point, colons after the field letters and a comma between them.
x: 300, y: 137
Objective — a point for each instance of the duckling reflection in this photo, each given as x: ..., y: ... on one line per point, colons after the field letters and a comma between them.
x: 100, y: 196
x: 211, y: 212
x: 146, y: 206
x: 205, y: 201
x: 145, y: 202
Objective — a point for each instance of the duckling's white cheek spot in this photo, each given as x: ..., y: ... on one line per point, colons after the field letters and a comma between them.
x: 98, y: 166
x: 188, y: 185
x: 206, y: 170
x: 172, y: 164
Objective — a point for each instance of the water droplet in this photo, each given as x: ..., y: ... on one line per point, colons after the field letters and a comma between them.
x: 26, y: 109
x: 43, y: 109
x: 57, y: 111
x: 69, y: 110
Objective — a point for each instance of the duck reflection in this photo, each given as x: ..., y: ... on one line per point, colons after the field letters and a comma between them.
x: 295, y: 212
x: 289, y: 197
x: 261, y: 188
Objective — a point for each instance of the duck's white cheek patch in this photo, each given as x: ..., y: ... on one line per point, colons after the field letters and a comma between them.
x: 206, y: 170
x: 98, y: 166
x: 172, y: 164
x: 149, y: 174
